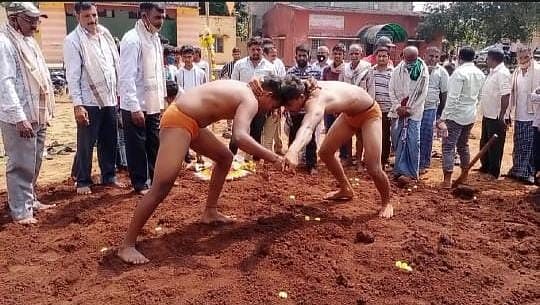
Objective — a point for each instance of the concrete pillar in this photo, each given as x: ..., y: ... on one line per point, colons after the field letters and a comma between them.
x: 187, y: 26
x: 52, y: 31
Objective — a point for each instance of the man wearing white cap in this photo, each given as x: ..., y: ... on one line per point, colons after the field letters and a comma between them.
x: 25, y: 108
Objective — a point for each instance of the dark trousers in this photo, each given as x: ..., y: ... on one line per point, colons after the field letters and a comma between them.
x: 255, y: 131
x: 386, y: 144
x: 101, y: 131
x: 311, y: 147
x: 536, y: 149
x: 142, y: 145
x: 329, y: 119
x: 491, y: 161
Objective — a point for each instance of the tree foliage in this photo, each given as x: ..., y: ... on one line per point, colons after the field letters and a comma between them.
x: 242, y: 20
x: 480, y: 23
x: 217, y: 8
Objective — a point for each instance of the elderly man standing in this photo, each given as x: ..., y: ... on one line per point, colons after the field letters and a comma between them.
x: 142, y: 93
x: 436, y: 96
x: 459, y: 113
x: 91, y: 60
x: 352, y: 74
x: 525, y: 80
x: 494, y: 101
x: 408, y: 91
x: 25, y: 108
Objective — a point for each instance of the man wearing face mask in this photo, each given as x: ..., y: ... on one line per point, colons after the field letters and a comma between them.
x: 303, y: 70
x: 323, y: 55
x: 91, y: 59
x: 26, y: 107
x: 525, y: 80
x: 142, y: 93
x: 435, y: 101
x: 408, y: 90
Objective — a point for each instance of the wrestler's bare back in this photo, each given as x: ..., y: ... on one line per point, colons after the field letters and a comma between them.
x: 340, y: 97
x: 214, y: 101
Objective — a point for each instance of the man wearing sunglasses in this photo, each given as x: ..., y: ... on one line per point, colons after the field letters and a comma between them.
x: 25, y: 108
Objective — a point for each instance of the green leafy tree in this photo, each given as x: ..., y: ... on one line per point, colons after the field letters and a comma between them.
x: 217, y: 8
x: 242, y: 20
x: 480, y: 23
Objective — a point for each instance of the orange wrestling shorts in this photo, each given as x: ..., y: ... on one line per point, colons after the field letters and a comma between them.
x: 173, y: 117
x: 359, y: 119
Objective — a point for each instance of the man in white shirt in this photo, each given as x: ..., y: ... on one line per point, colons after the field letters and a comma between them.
x: 494, y: 101
x: 244, y: 70
x: 525, y: 80
x: 142, y: 93
x: 201, y: 63
x: 271, y: 136
x: 437, y: 88
x: 26, y: 107
x: 459, y: 113
x: 189, y: 76
x: 91, y: 60
x: 408, y: 90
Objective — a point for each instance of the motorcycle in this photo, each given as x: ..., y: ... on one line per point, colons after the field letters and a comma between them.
x: 59, y: 82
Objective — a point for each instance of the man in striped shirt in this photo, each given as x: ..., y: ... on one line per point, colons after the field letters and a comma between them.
x: 376, y: 82
x: 303, y: 70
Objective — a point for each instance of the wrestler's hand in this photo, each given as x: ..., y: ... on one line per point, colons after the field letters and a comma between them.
x: 255, y: 85
x: 279, y: 164
x: 25, y: 129
x: 137, y: 118
x: 81, y: 115
x: 291, y: 161
x: 403, y: 111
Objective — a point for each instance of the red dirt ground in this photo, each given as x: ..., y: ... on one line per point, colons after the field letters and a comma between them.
x: 483, y: 251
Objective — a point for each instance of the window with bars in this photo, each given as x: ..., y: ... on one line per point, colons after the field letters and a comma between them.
x: 218, y: 44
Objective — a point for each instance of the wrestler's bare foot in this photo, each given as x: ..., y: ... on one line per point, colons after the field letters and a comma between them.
x: 38, y: 206
x: 387, y: 211
x: 212, y: 216
x: 142, y: 192
x: 84, y: 190
x: 27, y: 221
x: 130, y: 255
x: 340, y: 195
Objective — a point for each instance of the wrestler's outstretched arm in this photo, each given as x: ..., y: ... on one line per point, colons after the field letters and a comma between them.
x: 245, y: 112
x: 314, y: 114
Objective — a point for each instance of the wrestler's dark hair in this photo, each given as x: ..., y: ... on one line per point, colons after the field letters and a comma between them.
x: 291, y: 88
x: 272, y: 83
x: 83, y: 6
